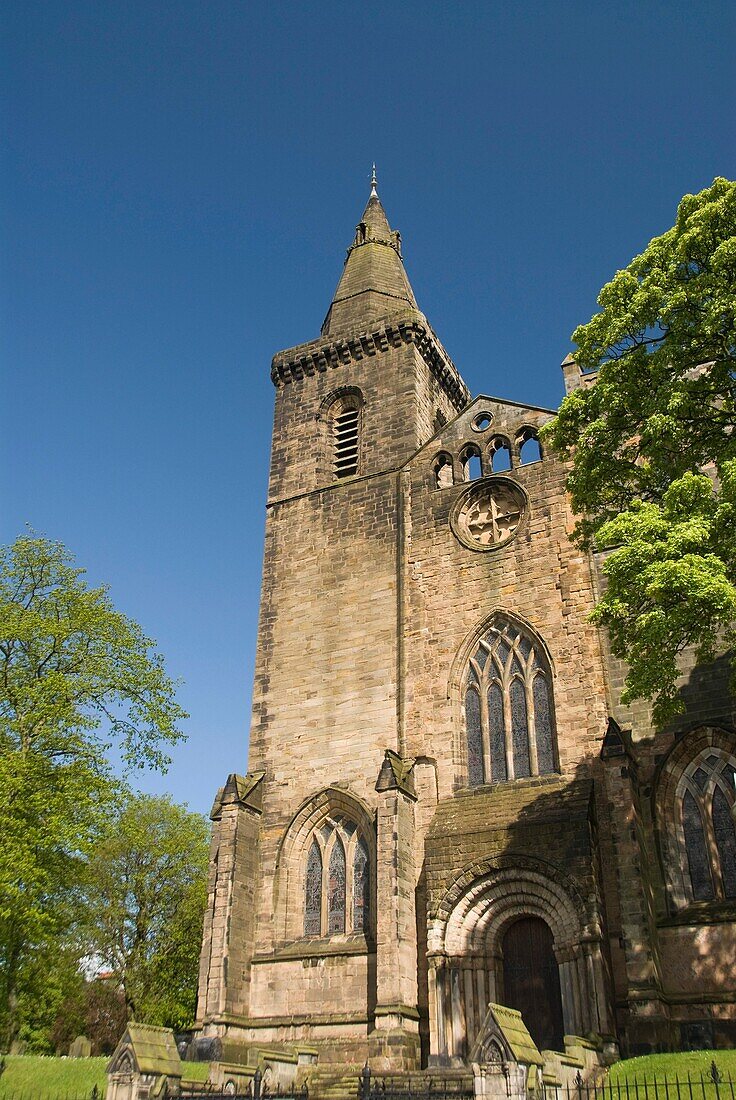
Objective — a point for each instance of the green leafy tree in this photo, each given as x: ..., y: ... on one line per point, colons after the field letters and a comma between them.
x: 93, y: 1008
x: 77, y: 677
x: 147, y: 885
x: 653, y: 447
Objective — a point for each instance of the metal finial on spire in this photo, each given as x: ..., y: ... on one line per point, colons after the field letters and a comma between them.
x: 374, y: 184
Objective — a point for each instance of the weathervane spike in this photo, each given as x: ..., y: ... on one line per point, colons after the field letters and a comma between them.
x: 374, y: 184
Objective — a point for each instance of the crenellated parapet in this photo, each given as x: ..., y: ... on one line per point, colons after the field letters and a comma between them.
x: 321, y: 356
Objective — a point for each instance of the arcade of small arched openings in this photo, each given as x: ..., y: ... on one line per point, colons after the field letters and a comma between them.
x: 495, y: 452
x: 516, y: 931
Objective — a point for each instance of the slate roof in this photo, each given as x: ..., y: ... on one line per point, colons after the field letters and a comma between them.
x: 373, y: 282
x: 515, y: 1032
x: 154, y: 1049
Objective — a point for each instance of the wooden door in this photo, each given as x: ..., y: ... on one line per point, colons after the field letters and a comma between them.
x: 531, y: 980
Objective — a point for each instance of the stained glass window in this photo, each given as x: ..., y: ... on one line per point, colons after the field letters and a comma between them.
x: 361, y: 888
x: 725, y: 835
x: 510, y: 667
x: 498, y: 739
x: 329, y: 888
x: 519, y: 730
x: 503, y: 650
x: 701, y: 778
x: 706, y: 789
x: 697, y: 853
x: 313, y: 892
x: 543, y: 726
x: 336, y: 890
x: 475, y: 738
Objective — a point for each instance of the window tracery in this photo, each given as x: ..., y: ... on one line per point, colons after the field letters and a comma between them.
x: 509, y: 718
x: 527, y: 442
x: 444, y: 476
x: 337, y: 880
x: 361, y: 887
x: 336, y: 890
x: 313, y: 891
x: 499, y: 451
x: 705, y: 800
x: 470, y: 462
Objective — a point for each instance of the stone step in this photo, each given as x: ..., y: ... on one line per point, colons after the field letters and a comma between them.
x: 326, y: 1085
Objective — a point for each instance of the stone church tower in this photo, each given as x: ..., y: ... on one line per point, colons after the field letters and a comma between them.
x: 445, y: 802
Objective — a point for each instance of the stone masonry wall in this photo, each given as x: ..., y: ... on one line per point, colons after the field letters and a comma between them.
x: 325, y: 699
x: 539, y: 576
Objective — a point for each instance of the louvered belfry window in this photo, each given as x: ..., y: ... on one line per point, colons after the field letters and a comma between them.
x: 346, y: 437
x: 509, y: 718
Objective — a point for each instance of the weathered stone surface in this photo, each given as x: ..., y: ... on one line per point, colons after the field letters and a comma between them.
x: 373, y: 605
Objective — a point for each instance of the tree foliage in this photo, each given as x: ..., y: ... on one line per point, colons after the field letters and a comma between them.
x: 653, y: 446
x: 146, y: 888
x: 95, y: 1008
x: 76, y: 678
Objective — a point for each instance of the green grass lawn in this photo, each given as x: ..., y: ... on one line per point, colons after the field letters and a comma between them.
x: 39, y: 1078
x: 32, y: 1077
x: 696, y: 1063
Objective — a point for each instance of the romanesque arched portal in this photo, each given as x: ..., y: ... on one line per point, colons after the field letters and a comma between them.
x: 466, y: 943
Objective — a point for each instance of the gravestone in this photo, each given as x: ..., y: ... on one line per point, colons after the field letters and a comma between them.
x: 80, y: 1048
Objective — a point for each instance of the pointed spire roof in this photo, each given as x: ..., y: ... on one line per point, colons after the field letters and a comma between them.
x: 373, y: 283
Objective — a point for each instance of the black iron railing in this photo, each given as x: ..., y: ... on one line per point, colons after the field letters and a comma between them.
x: 713, y: 1085
x: 413, y: 1087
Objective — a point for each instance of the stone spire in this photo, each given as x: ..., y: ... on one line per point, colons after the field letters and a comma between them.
x: 373, y: 283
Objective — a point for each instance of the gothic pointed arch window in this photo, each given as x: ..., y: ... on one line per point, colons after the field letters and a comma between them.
x: 705, y: 806
x: 336, y: 888
x: 337, y: 880
x: 361, y: 887
x: 508, y: 707
x: 313, y: 891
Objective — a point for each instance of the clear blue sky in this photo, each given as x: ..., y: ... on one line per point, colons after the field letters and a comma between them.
x: 180, y: 181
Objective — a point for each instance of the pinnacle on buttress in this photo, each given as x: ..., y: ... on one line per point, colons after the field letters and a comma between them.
x: 373, y: 283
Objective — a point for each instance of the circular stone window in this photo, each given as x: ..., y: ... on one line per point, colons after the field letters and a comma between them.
x: 488, y: 514
x: 481, y: 421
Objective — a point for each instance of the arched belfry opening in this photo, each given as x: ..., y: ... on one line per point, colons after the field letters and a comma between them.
x: 531, y: 979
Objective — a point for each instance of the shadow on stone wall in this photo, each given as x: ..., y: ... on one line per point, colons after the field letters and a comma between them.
x: 707, y: 695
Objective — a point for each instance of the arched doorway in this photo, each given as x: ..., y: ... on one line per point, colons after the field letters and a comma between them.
x: 467, y: 942
x: 531, y: 980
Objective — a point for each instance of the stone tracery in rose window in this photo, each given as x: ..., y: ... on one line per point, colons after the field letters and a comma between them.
x: 488, y: 515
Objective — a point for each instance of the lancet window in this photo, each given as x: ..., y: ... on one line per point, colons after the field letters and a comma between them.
x: 509, y: 714
x: 528, y: 444
x: 470, y: 462
x: 337, y: 880
x: 706, y: 797
x: 499, y: 451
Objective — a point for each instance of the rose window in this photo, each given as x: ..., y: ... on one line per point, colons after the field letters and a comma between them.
x: 489, y: 514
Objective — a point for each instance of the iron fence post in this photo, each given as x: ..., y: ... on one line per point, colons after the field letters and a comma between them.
x: 365, y: 1082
